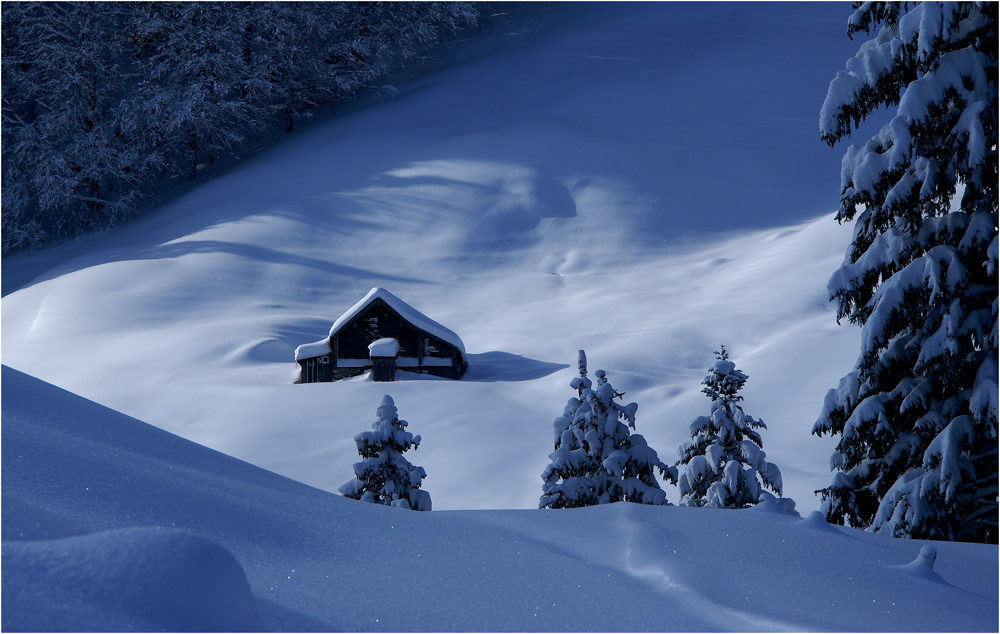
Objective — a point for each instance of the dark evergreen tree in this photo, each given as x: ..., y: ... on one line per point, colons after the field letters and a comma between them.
x: 385, y: 476
x: 294, y: 50
x: 723, y: 463
x: 190, y: 58
x: 596, y: 460
x: 917, y: 417
x: 66, y: 165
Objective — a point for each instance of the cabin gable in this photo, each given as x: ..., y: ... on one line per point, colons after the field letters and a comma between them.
x: 376, y: 321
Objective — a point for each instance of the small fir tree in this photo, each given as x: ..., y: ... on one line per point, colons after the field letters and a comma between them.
x: 723, y: 463
x: 596, y: 460
x: 385, y: 476
x: 917, y: 416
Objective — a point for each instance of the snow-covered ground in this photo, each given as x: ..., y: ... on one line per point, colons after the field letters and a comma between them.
x: 642, y: 181
x: 112, y: 524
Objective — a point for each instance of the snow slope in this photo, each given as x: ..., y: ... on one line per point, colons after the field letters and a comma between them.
x: 643, y: 181
x: 112, y: 524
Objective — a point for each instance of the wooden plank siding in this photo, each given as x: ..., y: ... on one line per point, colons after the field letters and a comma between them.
x: 316, y: 370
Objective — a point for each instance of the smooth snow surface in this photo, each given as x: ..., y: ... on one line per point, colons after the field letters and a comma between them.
x: 109, y: 523
x: 643, y: 181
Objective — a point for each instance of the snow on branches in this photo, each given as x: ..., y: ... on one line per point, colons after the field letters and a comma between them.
x: 723, y: 465
x: 596, y: 460
x: 385, y: 476
x: 103, y: 99
x: 917, y: 417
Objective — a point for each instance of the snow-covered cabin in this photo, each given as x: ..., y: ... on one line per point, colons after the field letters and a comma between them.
x: 382, y: 333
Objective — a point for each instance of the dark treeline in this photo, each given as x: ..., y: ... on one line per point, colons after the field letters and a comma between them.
x: 103, y: 100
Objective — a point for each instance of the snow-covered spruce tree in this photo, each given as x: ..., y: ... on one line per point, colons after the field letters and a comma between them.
x: 293, y: 53
x: 723, y: 465
x: 596, y: 460
x: 385, y: 476
x: 190, y: 57
x: 917, y: 417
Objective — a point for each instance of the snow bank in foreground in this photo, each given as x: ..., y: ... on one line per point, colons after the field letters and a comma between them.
x: 152, y: 579
x: 83, y: 477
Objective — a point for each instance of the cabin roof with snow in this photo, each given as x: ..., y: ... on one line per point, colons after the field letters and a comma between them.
x: 407, y: 312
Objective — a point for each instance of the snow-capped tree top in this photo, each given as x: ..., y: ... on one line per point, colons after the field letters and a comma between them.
x: 723, y: 380
x: 602, y: 377
x: 723, y: 367
x: 582, y: 382
x: 387, y: 412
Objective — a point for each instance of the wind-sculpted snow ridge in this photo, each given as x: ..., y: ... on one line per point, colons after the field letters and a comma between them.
x: 112, y: 524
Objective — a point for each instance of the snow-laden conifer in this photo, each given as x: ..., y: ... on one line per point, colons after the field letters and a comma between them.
x: 193, y: 109
x: 385, y: 476
x: 596, y: 459
x: 723, y: 465
x: 917, y: 417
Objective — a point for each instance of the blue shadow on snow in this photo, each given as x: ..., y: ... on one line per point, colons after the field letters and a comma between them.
x: 489, y: 367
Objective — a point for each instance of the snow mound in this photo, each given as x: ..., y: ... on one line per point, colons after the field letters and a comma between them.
x: 815, y: 521
x: 774, y: 505
x: 145, y: 579
x: 923, y: 566
x: 260, y: 350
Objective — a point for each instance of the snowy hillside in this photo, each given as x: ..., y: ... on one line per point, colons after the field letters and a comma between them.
x: 644, y: 182
x: 112, y: 524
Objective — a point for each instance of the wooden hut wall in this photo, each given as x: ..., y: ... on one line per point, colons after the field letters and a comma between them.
x: 453, y: 371
x: 315, y: 370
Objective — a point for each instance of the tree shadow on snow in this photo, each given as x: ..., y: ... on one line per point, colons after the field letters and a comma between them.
x: 490, y: 367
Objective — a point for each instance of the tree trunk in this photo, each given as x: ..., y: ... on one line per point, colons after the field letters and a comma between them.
x: 193, y: 162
